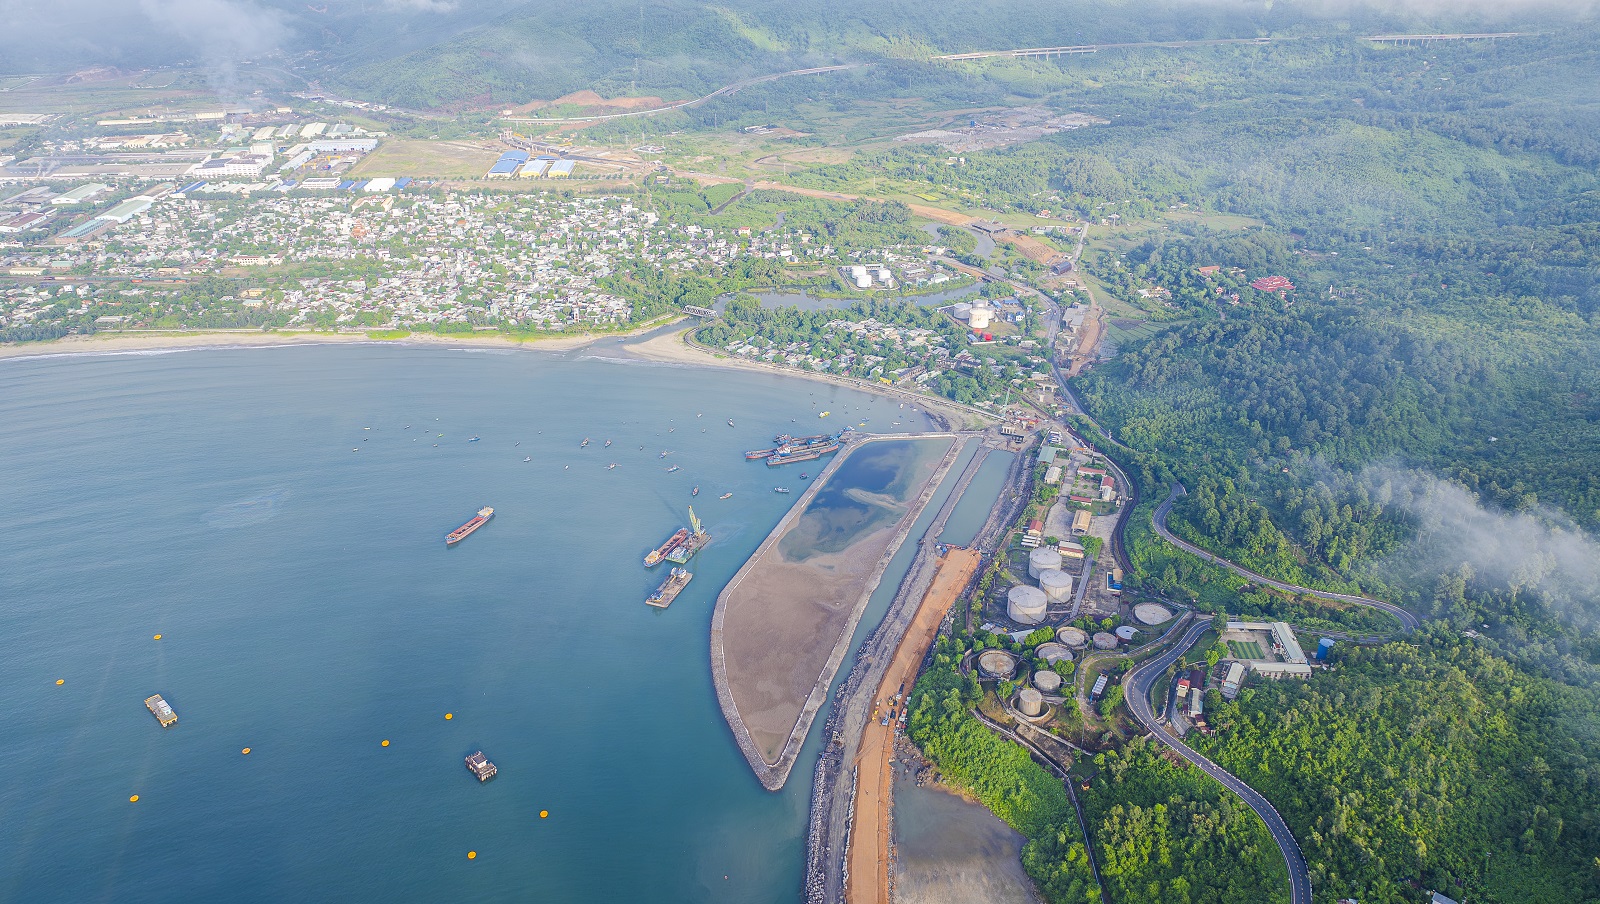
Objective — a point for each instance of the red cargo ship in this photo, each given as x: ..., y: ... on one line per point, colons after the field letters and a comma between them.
x: 660, y: 552
x: 460, y: 533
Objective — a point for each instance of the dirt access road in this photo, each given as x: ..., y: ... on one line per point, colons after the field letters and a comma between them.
x: 869, y: 832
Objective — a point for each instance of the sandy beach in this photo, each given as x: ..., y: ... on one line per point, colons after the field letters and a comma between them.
x: 111, y: 343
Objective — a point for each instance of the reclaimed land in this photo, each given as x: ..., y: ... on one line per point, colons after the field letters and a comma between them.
x: 782, y: 626
x: 869, y: 834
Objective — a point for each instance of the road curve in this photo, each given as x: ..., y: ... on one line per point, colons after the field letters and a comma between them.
x: 1408, y: 622
x: 1136, y: 687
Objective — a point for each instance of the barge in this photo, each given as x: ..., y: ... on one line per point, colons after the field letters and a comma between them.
x: 677, y: 579
x: 808, y: 453
x: 481, y: 767
x: 692, y: 544
x: 461, y: 533
x: 159, y: 708
x: 655, y: 556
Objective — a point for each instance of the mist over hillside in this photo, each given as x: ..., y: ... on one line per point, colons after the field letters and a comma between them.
x: 429, y: 52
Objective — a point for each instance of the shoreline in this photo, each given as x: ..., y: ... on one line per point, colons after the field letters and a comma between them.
x: 185, y: 340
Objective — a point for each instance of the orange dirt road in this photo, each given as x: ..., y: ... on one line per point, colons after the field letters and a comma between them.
x: 869, y: 833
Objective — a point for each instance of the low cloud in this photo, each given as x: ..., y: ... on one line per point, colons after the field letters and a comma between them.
x: 422, y: 6
x: 1540, y: 549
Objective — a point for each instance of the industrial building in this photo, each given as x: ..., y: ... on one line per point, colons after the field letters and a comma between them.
x: 560, y: 169
x: 80, y: 194
x: 247, y: 165
x: 507, y: 165
x: 382, y: 183
x: 342, y: 145
x: 535, y: 168
x: 1080, y: 521
x: 127, y: 210
x: 1232, y: 680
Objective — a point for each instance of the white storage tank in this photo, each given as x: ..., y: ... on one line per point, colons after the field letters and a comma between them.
x: 978, y: 318
x: 1026, y: 605
x: 1031, y: 702
x: 1126, y: 632
x: 1056, y: 584
x: 1043, y: 559
x: 1046, y: 681
x: 961, y: 311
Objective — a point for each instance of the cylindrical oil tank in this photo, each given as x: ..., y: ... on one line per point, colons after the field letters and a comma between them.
x: 1054, y: 652
x: 997, y: 664
x: 1126, y: 632
x: 1046, y: 681
x: 1043, y: 559
x: 961, y: 310
x: 1076, y: 638
x: 978, y: 318
x: 1030, y: 701
x: 1104, y: 641
x: 1056, y: 584
x: 1026, y: 605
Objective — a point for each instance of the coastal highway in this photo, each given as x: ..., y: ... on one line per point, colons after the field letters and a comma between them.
x: 1408, y: 622
x: 1136, y: 693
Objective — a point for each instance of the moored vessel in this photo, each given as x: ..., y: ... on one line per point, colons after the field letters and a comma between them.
x: 481, y: 767
x: 805, y: 454
x: 677, y: 579
x: 159, y: 708
x: 655, y: 556
x: 697, y: 538
x: 460, y: 533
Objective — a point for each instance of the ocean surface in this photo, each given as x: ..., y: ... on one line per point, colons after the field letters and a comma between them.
x: 277, y: 516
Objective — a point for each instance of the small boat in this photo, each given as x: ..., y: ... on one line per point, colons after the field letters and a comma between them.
x: 805, y: 477
x: 673, y: 468
x: 730, y: 422
x: 724, y: 495
x: 695, y: 491
x: 473, y: 440
x: 780, y: 489
x: 529, y: 458
x: 585, y: 443
x: 664, y: 454
x: 610, y: 466
x: 824, y: 414
x: 607, y: 445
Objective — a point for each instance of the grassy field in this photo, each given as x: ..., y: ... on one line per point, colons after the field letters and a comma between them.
x: 428, y: 159
x: 1245, y: 649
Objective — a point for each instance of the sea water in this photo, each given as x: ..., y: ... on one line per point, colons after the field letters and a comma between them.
x: 277, y: 516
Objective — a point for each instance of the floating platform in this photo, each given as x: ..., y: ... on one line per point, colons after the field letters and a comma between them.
x: 677, y: 579
x: 159, y: 708
x: 481, y: 767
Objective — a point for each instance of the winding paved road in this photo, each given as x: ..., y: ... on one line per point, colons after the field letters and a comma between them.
x: 1408, y: 622
x: 1136, y: 693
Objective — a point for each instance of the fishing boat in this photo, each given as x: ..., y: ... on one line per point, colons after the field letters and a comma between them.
x: 725, y: 496
x: 460, y: 533
x: 805, y: 477
x: 780, y: 489
x: 529, y: 458
x: 610, y: 466
x: 664, y: 453
x: 730, y: 422
x: 607, y: 445
x: 824, y: 414
x: 695, y: 491
x: 584, y: 444
x: 473, y: 440
x: 673, y: 468
x: 755, y: 454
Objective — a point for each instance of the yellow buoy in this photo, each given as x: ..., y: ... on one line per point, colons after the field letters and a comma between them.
x: 245, y: 751
x: 449, y: 715
x: 472, y: 855
x: 134, y: 799
x: 61, y: 681
x: 386, y: 742
x: 157, y: 637
x: 544, y: 814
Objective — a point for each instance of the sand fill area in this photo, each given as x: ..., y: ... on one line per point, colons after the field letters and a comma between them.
x: 784, y: 620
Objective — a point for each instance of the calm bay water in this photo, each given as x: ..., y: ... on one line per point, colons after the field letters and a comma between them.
x: 309, y: 610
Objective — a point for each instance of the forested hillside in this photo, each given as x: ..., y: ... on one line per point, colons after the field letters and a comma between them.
x: 1438, y: 762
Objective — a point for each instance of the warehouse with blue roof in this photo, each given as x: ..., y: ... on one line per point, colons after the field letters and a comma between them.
x: 507, y: 165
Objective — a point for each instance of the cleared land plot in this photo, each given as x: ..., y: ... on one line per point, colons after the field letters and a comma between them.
x: 427, y: 159
x: 869, y: 838
x: 786, y: 615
